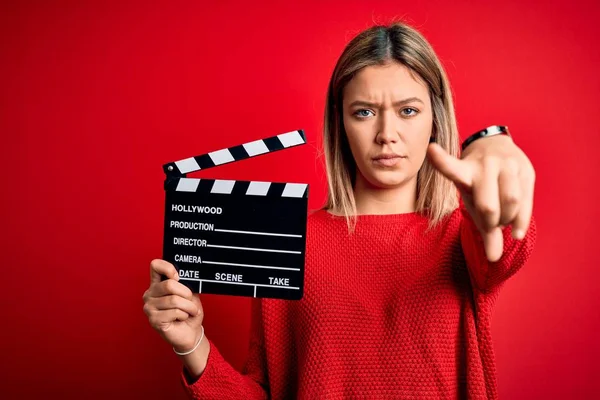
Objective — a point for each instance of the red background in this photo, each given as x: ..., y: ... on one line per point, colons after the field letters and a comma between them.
x: 96, y: 96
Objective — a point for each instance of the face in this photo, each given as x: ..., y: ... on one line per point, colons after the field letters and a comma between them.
x: 388, y: 121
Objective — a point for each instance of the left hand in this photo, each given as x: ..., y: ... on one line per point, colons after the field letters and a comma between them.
x: 495, y: 180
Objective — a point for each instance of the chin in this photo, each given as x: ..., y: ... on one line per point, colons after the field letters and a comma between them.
x: 388, y: 180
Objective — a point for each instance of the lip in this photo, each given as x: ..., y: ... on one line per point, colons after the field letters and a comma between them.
x: 387, y: 156
x: 387, y: 159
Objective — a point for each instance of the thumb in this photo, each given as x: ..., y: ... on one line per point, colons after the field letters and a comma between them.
x: 458, y: 171
x: 493, y: 242
x: 196, y: 301
x: 198, y: 304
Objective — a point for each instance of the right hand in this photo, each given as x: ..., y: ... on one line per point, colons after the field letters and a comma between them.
x: 172, y: 309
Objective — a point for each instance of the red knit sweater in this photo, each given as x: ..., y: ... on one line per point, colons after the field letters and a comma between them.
x: 391, y: 311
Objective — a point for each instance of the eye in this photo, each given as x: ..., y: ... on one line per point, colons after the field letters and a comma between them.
x: 362, y: 113
x: 409, y: 111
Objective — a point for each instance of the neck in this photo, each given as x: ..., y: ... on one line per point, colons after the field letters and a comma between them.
x: 373, y: 200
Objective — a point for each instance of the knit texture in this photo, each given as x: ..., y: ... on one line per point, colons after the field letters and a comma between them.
x: 391, y: 311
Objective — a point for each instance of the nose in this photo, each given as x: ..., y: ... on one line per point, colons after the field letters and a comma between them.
x: 387, y: 129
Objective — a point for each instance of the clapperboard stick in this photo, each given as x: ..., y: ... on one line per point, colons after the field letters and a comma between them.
x: 243, y: 238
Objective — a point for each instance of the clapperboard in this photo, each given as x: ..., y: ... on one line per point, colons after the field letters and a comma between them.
x: 240, y: 238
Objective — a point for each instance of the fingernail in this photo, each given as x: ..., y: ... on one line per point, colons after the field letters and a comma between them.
x: 518, y: 234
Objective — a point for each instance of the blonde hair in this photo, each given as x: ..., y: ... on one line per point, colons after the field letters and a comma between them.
x: 436, y: 195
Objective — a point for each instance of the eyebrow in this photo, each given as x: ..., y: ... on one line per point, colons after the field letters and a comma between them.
x: 396, y: 104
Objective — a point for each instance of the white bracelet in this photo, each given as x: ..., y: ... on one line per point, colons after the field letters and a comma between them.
x: 195, y: 347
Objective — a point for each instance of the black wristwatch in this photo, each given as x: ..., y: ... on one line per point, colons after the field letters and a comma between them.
x: 489, y: 131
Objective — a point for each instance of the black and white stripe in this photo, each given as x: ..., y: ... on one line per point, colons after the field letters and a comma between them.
x: 248, y: 188
x: 236, y: 153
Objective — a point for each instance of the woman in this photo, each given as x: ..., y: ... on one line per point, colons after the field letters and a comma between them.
x: 401, y: 276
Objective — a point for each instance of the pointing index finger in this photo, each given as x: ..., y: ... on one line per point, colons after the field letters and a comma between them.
x: 458, y: 171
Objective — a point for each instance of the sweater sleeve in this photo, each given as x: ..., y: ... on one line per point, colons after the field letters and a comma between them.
x: 487, y: 275
x: 221, y: 381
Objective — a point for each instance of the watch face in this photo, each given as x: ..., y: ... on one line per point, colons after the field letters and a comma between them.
x: 489, y: 131
x: 495, y: 130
